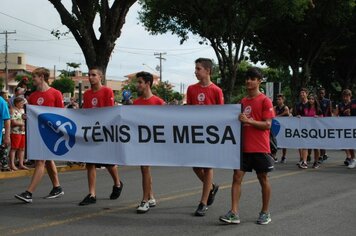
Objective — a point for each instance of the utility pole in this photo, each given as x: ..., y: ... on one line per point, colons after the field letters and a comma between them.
x: 6, y: 59
x: 160, y: 57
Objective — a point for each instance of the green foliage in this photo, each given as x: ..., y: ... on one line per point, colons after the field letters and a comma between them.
x: 65, y: 85
x: 225, y: 25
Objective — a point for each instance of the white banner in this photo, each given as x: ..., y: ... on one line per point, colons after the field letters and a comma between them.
x: 195, y: 136
x: 310, y: 132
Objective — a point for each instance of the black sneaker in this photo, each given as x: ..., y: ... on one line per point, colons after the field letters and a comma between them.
x: 201, y: 210
x: 55, y: 192
x: 283, y: 160
x: 89, y: 199
x: 116, y: 191
x: 25, y: 197
x: 325, y: 157
x: 212, y: 194
x: 316, y: 165
x: 347, y: 161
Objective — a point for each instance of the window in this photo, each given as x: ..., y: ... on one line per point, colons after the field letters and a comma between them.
x: 19, y: 60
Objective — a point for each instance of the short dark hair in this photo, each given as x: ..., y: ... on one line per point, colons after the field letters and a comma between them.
x: 97, y: 68
x: 206, y: 63
x: 254, y: 72
x: 18, y: 100
x: 147, y: 77
x: 347, y: 92
x: 280, y: 95
x: 304, y: 90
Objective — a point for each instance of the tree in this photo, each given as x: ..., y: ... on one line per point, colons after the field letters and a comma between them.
x: 299, y: 41
x: 64, y: 84
x: 80, y: 21
x: 223, y: 24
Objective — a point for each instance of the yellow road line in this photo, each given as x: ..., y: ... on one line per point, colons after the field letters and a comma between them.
x: 133, y: 205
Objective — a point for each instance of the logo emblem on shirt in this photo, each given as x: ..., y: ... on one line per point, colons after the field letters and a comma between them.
x: 247, y: 111
x: 40, y: 101
x: 201, y: 97
x: 57, y: 132
x: 94, y: 102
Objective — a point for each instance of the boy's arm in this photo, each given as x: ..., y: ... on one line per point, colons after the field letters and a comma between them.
x: 262, y: 125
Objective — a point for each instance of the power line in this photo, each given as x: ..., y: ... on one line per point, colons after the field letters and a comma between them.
x: 37, y: 26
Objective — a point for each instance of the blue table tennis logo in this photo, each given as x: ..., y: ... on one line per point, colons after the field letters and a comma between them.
x: 276, y: 127
x: 57, y: 132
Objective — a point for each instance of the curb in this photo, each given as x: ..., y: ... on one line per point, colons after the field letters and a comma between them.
x: 24, y: 173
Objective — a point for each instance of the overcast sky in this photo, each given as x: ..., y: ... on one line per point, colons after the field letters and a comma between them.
x: 133, y: 52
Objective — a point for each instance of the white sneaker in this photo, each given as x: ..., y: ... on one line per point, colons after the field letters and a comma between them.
x: 152, y: 202
x: 352, y: 164
x: 143, y: 207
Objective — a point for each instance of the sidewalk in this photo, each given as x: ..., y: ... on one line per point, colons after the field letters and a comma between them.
x: 23, y: 173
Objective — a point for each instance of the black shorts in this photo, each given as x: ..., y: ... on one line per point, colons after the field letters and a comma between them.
x: 260, y: 162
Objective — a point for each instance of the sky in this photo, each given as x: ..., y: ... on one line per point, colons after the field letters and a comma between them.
x: 33, y: 22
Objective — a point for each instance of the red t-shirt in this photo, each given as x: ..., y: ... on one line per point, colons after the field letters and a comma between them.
x: 259, y: 108
x: 50, y: 98
x: 154, y: 100
x: 210, y: 95
x: 104, y: 97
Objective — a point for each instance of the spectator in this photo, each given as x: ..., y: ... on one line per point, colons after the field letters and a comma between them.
x: 19, y: 92
x: 281, y: 110
x: 17, y: 134
x: 326, y: 108
x: 312, y: 109
x: 347, y: 108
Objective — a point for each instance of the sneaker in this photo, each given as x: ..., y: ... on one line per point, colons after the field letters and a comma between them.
x: 264, y: 218
x: 230, y: 218
x: 89, y: 199
x: 299, y: 162
x: 283, y: 160
x: 316, y: 165
x: 352, y: 164
x: 116, y: 191
x: 325, y: 157
x: 320, y: 160
x: 275, y: 159
x: 212, y: 194
x: 303, y: 165
x: 25, y: 197
x: 55, y: 192
x: 347, y: 161
x: 152, y: 202
x: 201, y: 210
x: 143, y: 207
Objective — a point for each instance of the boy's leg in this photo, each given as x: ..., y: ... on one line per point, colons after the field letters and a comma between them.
x: 112, y: 169
x: 37, y: 175
x: 199, y: 172
x: 266, y: 190
x: 236, y: 190
x: 21, y: 156
x: 207, y: 185
x: 52, y: 173
x: 12, y: 159
x: 91, y: 173
x: 146, y: 183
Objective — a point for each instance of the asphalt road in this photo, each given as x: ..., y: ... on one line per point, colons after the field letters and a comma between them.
x: 304, y: 202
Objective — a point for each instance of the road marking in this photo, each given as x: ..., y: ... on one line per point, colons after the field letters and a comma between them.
x: 133, y: 205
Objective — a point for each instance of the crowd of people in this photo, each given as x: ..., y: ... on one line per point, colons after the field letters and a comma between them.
x: 317, y: 105
x: 256, y: 120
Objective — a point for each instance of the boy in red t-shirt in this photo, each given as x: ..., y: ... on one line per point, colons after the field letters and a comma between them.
x: 205, y: 92
x: 99, y: 96
x: 43, y: 96
x: 256, y: 120
x: 144, y: 84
